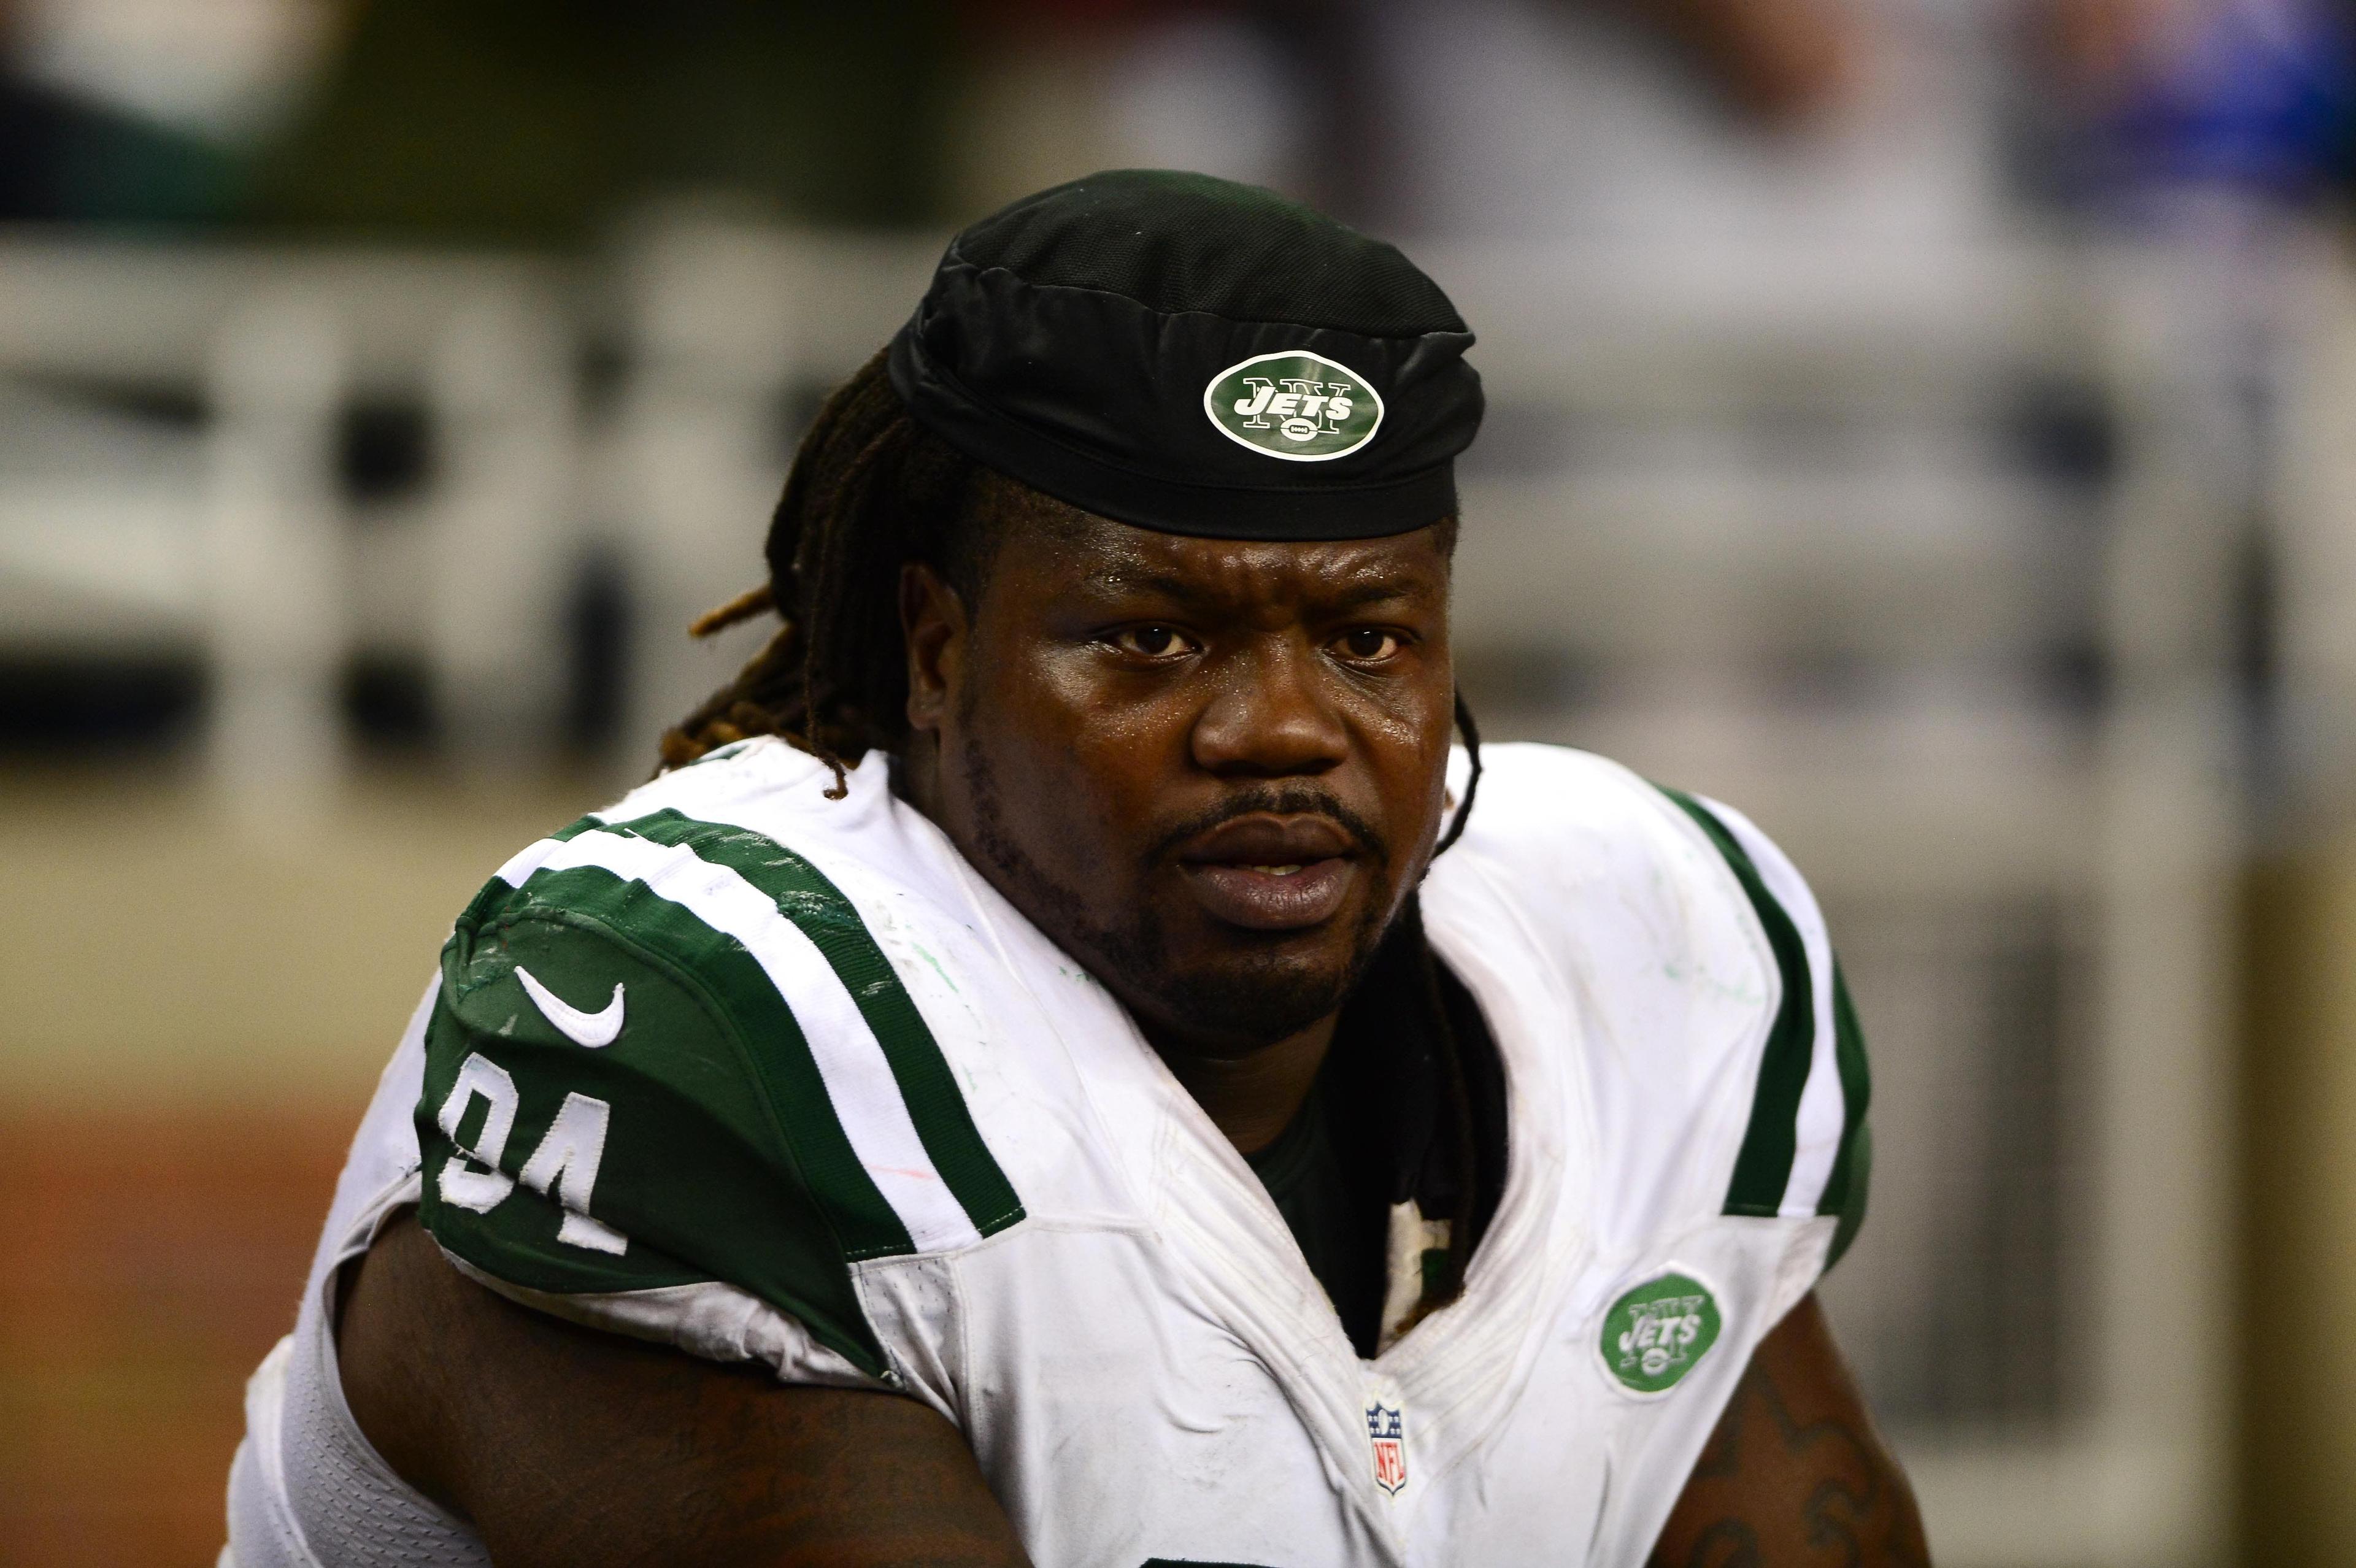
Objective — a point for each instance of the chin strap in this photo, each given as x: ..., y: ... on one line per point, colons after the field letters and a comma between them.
x: 1472, y: 734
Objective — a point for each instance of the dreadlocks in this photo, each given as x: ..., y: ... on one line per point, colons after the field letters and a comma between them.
x: 870, y: 489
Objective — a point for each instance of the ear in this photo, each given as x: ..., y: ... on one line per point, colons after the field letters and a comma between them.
x: 933, y: 626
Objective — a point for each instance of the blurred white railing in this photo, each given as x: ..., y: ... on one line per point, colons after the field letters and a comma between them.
x: 1703, y: 470
x: 232, y: 533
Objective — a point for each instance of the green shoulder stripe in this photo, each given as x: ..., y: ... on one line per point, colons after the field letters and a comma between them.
x: 775, y: 1049
x: 496, y: 892
x: 720, y: 1159
x: 1762, y: 1170
x: 803, y: 895
x: 1845, y: 1189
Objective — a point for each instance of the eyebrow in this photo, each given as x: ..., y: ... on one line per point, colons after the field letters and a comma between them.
x: 1139, y: 578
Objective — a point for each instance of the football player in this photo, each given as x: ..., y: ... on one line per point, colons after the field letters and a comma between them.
x: 1067, y: 1064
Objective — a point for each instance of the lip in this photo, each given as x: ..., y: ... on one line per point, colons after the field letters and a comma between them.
x: 1272, y: 873
x: 1265, y: 901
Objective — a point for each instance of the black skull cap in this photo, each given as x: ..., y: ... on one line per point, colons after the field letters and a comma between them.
x: 1197, y: 356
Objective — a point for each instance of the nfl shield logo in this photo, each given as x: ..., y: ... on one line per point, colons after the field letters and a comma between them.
x: 1388, y: 1435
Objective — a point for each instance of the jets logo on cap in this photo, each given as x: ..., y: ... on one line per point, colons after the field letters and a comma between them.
x: 1304, y: 408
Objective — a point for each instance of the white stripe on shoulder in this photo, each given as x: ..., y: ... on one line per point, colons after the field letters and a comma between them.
x: 866, y: 1097
x: 526, y: 860
x: 1823, y: 1108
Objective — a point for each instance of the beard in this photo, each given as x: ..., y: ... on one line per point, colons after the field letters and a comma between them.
x: 1249, y: 997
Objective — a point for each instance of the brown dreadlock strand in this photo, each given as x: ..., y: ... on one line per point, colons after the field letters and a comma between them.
x: 1456, y: 1130
x: 744, y: 607
x: 1456, y: 1092
x: 869, y: 490
x: 1455, y: 1080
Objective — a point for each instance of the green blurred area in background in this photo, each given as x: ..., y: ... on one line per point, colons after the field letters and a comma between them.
x: 529, y: 121
x: 519, y: 122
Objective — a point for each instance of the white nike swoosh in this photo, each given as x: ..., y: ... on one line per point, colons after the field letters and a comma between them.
x: 591, y: 1029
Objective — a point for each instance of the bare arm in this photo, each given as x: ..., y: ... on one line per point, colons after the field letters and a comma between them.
x: 567, y: 1447
x: 1795, y: 1475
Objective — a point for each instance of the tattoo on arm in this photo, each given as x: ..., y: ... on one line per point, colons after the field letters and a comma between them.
x: 1794, y: 1477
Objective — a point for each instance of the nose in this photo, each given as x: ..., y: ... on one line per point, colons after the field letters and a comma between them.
x: 1271, y: 718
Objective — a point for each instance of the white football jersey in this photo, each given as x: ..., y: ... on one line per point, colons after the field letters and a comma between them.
x: 776, y: 1077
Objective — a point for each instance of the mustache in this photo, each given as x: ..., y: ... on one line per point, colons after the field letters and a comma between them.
x: 1288, y: 800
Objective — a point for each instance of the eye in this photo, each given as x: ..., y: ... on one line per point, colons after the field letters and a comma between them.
x: 1367, y: 645
x: 1151, y: 641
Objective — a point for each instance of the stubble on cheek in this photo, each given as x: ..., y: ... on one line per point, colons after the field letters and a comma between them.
x: 1256, y: 993
x: 1130, y: 947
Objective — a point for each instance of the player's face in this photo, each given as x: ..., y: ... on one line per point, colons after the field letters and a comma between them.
x: 1210, y: 770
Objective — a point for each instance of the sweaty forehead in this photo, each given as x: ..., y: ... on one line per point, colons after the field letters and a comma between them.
x: 1082, y: 555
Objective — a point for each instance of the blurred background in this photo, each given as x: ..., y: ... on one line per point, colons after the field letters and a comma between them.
x: 1925, y: 423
